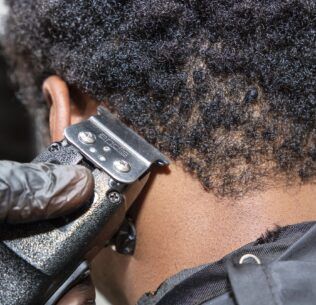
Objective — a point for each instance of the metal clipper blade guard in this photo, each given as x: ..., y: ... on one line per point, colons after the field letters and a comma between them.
x: 40, y: 261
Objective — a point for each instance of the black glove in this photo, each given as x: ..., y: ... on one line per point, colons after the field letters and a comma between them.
x: 30, y: 192
x: 82, y: 294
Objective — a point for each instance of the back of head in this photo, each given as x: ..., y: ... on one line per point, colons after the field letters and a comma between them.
x: 225, y: 87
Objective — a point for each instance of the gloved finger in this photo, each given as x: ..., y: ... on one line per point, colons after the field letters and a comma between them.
x: 30, y: 192
x: 82, y: 294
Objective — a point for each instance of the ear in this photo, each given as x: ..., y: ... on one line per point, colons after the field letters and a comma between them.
x: 66, y: 106
x: 56, y: 93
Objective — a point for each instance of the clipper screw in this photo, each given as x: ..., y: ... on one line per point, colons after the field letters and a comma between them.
x: 54, y: 147
x: 86, y: 137
x: 122, y: 166
x: 114, y: 197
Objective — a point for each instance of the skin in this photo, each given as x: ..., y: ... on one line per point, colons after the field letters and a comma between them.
x: 179, y: 224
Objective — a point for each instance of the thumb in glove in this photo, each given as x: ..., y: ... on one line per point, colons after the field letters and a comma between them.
x: 31, y: 192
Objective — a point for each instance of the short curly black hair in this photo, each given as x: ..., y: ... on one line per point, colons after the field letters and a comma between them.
x: 226, y: 87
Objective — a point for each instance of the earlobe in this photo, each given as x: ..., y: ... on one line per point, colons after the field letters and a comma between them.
x: 57, y: 94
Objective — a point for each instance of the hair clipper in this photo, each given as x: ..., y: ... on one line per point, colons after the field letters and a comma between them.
x: 39, y: 262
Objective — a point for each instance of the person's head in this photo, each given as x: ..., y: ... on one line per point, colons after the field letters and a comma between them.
x: 225, y: 88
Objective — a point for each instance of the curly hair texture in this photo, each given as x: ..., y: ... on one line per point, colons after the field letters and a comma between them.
x: 226, y: 87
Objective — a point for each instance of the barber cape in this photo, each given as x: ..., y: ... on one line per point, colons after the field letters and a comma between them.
x: 277, y: 270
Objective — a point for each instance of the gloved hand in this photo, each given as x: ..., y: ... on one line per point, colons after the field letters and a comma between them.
x: 82, y: 294
x: 31, y: 192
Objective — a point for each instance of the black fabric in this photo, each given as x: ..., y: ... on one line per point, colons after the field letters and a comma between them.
x: 287, y: 275
x: 225, y: 299
x: 245, y: 281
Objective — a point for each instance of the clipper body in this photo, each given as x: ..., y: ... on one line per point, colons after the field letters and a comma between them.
x: 40, y: 262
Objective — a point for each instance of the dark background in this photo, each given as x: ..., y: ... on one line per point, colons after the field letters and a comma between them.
x: 15, y: 127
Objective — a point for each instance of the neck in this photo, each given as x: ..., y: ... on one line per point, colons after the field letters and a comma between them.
x: 181, y: 226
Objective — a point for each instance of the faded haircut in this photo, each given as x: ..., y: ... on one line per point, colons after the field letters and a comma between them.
x: 225, y: 87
